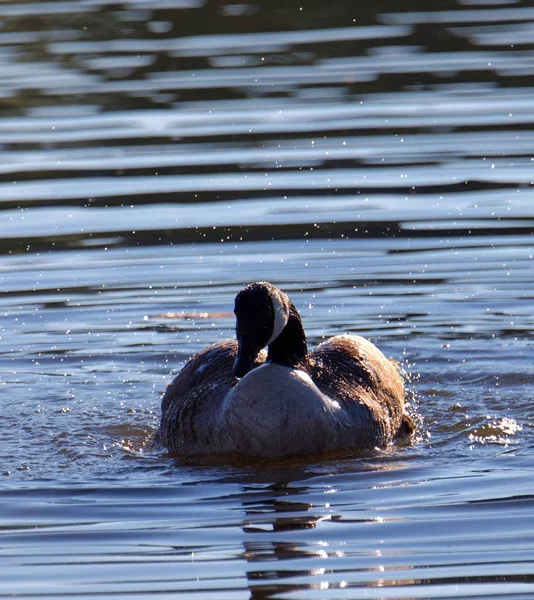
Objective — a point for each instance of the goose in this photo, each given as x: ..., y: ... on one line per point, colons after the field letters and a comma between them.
x: 234, y: 398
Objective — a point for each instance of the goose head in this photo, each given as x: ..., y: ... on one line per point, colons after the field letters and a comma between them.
x: 265, y: 316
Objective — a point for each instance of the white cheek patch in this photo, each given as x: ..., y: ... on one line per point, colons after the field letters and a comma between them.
x: 281, y: 316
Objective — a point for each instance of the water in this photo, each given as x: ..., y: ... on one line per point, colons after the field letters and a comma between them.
x: 374, y: 161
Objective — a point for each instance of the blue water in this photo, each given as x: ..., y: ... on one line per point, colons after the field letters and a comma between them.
x: 375, y: 162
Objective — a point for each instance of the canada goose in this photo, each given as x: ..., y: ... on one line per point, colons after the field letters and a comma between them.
x: 233, y: 398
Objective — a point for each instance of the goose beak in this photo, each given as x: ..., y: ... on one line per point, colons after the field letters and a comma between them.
x: 246, y: 355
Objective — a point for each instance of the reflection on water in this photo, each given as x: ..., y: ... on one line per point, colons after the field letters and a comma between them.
x: 373, y: 160
x: 408, y: 529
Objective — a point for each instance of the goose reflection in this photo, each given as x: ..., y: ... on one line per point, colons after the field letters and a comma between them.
x: 282, y: 512
x: 313, y: 558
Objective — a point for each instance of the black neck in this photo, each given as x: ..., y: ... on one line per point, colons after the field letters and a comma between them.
x: 289, y: 348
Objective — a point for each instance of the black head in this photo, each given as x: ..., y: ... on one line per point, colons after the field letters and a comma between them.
x: 262, y: 312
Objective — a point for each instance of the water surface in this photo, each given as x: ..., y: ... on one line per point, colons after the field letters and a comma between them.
x: 374, y: 161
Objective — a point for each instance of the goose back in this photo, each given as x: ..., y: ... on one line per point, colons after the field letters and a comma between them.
x: 276, y: 411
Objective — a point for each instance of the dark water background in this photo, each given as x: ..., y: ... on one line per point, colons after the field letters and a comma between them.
x: 376, y: 161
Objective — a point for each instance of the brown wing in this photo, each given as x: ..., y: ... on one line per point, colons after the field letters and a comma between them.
x: 213, y: 363
x: 354, y: 371
x: 191, y: 400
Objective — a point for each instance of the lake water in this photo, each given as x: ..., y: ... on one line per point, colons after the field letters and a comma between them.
x: 376, y: 161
